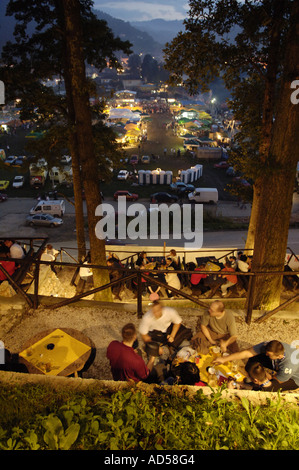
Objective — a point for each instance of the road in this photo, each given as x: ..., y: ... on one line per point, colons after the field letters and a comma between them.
x: 13, y: 214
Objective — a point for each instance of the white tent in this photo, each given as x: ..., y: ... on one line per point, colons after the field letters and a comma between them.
x: 124, y: 113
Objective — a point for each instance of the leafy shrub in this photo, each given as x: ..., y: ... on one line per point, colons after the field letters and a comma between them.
x: 131, y: 419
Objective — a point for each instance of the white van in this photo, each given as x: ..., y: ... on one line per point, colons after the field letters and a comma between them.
x: 209, y: 195
x: 56, y: 208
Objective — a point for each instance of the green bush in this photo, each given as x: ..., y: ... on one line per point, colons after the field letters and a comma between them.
x: 38, y: 418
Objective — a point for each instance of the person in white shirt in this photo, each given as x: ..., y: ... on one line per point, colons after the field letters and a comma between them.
x: 242, y: 264
x: 50, y: 250
x: 15, y: 250
x: 163, y: 325
x: 172, y: 278
x: 85, y: 272
x: 50, y: 254
x: 243, y: 267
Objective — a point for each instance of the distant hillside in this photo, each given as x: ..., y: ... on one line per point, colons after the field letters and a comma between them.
x: 164, y: 31
x: 7, y: 25
x: 142, y: 41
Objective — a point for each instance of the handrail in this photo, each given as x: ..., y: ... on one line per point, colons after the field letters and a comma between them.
x: 131, y: 272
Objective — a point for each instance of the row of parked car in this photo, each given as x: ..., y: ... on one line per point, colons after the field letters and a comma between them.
x: 181, y: 189
x: 17, y: 182
x: 15, y: 161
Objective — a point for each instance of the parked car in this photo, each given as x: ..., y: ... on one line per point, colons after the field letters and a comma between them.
x: 129, y: 196
x: 145, y: 159
x: 10, y: 160
x: 19, y: 161
x: 230, y: 171
x: 241, y: 181
x: 4, y: 185
x: 3, y: 197
x: 202, y: 195
x: 18, y: 181
x: 224, y: 165
x: 122, y: 175
x: 45, y: 220
x: 134, y: 159
x: 163, y: 197
x: 182, y: 188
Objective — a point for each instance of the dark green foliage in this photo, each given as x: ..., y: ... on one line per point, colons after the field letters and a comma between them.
x: 39, y: 418
x: 244, y: 44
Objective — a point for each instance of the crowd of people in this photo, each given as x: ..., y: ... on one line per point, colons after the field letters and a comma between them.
x: 206, y: 277
x: 172, y: 272
x: 269, y: 366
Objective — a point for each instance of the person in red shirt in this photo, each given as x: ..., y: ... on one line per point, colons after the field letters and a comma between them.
x: 196, y: 278
x: 9, y: 267
x: 231, y: 279
x: 126, y: 364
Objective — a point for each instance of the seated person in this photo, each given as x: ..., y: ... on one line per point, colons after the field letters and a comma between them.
x: 197, y: 280
x: 175, y: 259
x: 163, y: 325
x: 141, y: 260
x: 49, y: 254
x: 114, y: 275
x: 85, y: 272
x: 153, y: 288
x: 231, y: 279
x: 262, y: 380
x: 233, y: 261
x: 7, y: 264
x: 273, y: 355
x: 114, y: 257
x: 243, y: 266
x: 126, y: 363
x: 171, y: 278
x: 15, y: 250
x: 217, y: 326
x: 11, y: 362
x: 189, y: 375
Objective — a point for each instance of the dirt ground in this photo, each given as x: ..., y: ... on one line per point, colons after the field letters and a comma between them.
x: 102, y: 325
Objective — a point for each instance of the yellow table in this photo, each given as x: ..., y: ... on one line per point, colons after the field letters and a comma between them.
x: 56, y: 352
x: 222, y: 371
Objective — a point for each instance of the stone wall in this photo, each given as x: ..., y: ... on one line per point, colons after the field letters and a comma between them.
x: 79, y: 384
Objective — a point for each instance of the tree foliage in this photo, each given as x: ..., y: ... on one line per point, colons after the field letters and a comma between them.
x: 234, y: 40
x: 245, y: 43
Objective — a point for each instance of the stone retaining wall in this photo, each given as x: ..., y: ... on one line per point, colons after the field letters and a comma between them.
x: 79, y: 384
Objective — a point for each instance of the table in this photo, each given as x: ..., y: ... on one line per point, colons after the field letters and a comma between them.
x: 57, y: 352
x: 220, y: 372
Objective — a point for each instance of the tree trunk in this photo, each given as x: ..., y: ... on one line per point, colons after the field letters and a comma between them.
x: 268, y: 111
x: 86, y: 149
x: 73, y: 142
x: 77, y: 184
x: 275, y: 203
x: 249, y: 246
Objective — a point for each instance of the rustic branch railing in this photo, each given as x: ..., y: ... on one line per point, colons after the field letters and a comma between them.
x: 130, y: 273
x: 139, y: 274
